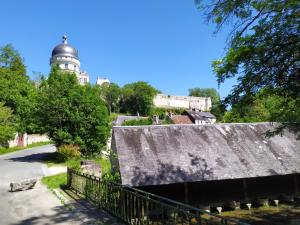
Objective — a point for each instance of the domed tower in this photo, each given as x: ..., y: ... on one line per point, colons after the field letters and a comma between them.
x: 66, y: 57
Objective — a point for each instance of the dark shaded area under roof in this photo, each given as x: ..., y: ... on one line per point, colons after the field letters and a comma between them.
x: 156, y: 155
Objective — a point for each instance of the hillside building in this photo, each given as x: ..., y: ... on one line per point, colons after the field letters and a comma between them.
x: 185, y: 102
x: 66, y: 57
x: 101, y: 81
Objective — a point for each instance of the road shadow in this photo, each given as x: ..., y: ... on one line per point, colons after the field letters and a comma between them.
x: 46, y: 157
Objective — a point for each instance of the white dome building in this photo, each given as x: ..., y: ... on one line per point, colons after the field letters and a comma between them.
x: 66, y: 57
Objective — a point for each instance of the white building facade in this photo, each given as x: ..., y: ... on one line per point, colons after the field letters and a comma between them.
x: 66, y: 57
x: 101, y: 81
x: 185, y: 102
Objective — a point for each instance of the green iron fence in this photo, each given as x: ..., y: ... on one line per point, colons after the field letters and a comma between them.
x: 137, y: 207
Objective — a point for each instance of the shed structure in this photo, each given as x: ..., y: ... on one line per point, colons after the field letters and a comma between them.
x: 208, y: 162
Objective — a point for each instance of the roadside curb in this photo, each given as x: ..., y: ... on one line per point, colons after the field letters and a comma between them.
x: 63, y: 199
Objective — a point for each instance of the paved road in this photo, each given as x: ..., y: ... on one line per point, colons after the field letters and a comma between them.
x: 38, y: 205
x: 35, y: 206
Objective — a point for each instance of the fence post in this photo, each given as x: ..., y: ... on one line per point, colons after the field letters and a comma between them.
x: 69, y: 178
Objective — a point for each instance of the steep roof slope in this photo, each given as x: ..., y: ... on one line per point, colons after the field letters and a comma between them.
x: 153, y: 155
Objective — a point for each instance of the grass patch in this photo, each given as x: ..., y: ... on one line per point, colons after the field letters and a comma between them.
x: 104, y: 163
x: 282, y: 214
x: 55, y: 181
x: 18, y: 148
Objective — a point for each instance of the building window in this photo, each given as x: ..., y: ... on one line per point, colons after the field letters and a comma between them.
x: 75, y: 67
x: 66, y: 66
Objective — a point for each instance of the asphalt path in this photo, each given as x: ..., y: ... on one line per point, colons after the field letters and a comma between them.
x: 38, y: 206
x: 35, y: 206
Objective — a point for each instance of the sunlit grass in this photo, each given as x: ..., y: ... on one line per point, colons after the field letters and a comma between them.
x: 55, y: 181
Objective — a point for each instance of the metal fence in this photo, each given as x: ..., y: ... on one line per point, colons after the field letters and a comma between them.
x: 137, y: 207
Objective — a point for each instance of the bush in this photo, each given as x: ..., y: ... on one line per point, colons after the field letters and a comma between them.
x: 66, y: 152
x: 163, y: 112
x: 137, y: 122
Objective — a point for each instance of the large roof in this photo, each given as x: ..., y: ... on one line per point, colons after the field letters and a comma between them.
x: 155, y: 155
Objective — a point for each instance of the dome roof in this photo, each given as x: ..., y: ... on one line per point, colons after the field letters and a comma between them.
x: 65, y: 50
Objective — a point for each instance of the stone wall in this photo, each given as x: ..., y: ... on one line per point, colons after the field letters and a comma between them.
x: 27, y: 139
x: 186, y: 102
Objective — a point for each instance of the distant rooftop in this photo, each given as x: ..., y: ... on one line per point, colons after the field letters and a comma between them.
x: 197, y: 115
x: 181, y: 119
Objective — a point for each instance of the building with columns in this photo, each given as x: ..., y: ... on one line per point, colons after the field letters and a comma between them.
x: 66, y: 57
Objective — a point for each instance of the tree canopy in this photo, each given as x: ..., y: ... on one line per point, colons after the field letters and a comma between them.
x: 263, y: 51
x: 137, y: 98
x: 73, y: 114
x: 7, y: 128
x: 265, y: 107
x: 111, y: 94
x: 16, y: 89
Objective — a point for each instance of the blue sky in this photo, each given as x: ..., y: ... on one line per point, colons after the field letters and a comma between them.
x: 164, y: 42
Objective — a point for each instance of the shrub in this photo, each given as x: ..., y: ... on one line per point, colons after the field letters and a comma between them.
x: 163, y: 112
x: 139, y: 122
x: 66, y: 152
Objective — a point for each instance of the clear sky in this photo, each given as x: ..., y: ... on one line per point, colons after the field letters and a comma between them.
x: 164, y: 42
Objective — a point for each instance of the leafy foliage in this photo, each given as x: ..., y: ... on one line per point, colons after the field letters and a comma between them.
x: 11, y: 61
x: 266, y: 106
x: 111, y: 94
x: 17, y: 91
x: 218, y: 109
x: 263, y: 51
x: 137, y: 98
x: 73, y: 114
x: 7, y: 129
x: 205, y: 92
x: 163, y: 112
x: 66, y: 152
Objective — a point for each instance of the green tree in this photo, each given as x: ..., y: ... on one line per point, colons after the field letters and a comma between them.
x: 17, y: 91
x: 218, y: 109
x: 73, y: 114
x: 206, y: 92
x: 137, y: 98
x: 111, y: 94
x: 263, y: 50
x: 7, y: 129
x: 265, y: 107
x: 10, y: 60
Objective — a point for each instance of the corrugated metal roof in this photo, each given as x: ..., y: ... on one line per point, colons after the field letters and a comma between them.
x: 154, y: 155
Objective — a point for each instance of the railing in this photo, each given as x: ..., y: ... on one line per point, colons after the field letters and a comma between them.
x: 137, y: 207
